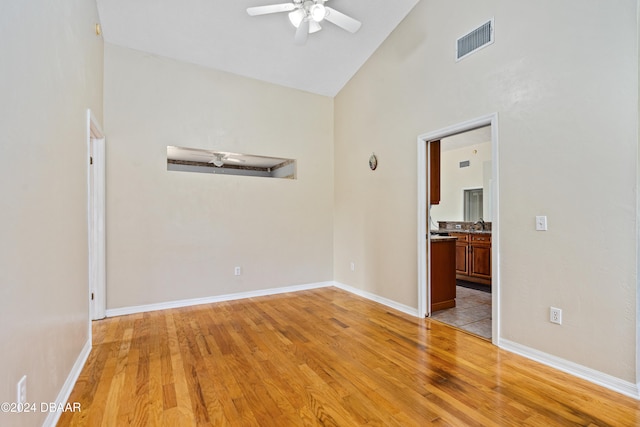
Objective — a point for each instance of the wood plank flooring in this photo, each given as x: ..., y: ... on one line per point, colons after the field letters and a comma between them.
x: 320, y: 358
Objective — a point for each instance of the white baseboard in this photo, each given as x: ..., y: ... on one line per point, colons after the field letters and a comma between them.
x: 377, y: 298
x: 65, y: 392
x: 600, y: 378
x: 208, y: 300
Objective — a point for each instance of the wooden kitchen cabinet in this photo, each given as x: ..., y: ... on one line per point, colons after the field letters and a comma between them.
x: 434, y: 168
x: 473, y: 257
x: 462, y: 253
x: 480, y: 256
x: 443, y: 274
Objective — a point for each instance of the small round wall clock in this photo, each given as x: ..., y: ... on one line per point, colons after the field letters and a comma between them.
x: 373, y: 162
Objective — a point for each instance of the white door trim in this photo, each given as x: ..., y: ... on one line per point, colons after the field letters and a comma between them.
x: 96, y: 217
x: 424, y: 238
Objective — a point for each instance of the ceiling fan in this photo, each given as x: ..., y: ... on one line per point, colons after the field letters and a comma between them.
x: 219, y: 159
x: 306, y: 16
x: 216, y: 158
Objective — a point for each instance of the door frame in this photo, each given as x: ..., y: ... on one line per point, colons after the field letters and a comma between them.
x: 424, y: 215
x: 96, y: 218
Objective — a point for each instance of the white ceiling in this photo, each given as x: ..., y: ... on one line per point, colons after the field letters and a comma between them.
x: 220, y: 34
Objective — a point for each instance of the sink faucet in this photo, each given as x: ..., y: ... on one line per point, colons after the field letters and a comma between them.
x: 479, y: 222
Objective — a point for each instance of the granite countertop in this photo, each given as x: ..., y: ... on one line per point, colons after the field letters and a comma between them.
x: 437, y: 237
x: 441, y: 231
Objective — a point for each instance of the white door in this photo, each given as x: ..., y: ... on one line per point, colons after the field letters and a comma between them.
x: 96, y: 218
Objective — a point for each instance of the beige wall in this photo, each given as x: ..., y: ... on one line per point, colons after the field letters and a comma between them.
x: 568, y: 121
x: 178, y: 235
x: 51, y: 70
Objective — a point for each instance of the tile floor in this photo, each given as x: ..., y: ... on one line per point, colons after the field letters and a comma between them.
x: 472, y: 312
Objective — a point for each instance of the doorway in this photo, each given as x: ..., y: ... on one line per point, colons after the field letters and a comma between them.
x: 426, y: 220
x: 96, y: 218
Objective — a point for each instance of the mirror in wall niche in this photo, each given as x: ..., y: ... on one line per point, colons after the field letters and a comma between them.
x: 465, y: 177
x: 183, y: 159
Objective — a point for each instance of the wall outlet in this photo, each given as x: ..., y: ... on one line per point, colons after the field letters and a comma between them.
x: 237, y: 271
x: 555, y: 315
x: 21, y: 390
x: 353, y: 266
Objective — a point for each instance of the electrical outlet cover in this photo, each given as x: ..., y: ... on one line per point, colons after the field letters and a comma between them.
x: 555, y: 315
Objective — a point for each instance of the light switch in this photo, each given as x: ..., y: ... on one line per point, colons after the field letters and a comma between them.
x: 541, y: 223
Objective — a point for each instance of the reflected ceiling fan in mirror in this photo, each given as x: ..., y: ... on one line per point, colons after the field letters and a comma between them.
x: 306, y: 16
x: 216, y: 158
x: 219, y: 159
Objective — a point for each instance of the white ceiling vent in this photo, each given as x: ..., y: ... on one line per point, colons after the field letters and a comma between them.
x: 475, y: 40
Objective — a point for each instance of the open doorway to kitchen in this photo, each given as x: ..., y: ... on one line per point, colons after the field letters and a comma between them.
x: 467, y: 170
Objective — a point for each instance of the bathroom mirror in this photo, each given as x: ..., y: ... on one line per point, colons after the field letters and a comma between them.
x: 183, y: 159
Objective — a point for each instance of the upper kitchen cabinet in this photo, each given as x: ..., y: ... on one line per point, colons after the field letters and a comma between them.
x: 434, y: 168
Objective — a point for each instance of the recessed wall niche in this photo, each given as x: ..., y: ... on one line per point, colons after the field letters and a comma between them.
x: 183, y: 159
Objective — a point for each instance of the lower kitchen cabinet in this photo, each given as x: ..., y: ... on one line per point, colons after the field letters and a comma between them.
x: 473, y: 257
x: 462, y: 253
x: 443, y: 274
x: 480, y: 257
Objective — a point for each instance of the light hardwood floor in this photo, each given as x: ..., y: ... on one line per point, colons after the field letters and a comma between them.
x: 320, y: 357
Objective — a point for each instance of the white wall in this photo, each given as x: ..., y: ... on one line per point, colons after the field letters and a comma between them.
x: 51, y: 70
x: 176, y: 235
x: 567, y: 102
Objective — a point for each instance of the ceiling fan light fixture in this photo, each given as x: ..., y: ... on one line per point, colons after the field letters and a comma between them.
x: 217, y: 160
x: 296, y: 17
x: 314, y: 27
x: 318, y: 12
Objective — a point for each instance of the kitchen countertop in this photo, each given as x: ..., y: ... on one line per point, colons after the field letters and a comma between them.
x: 436, y: 237
x: 441, y: 231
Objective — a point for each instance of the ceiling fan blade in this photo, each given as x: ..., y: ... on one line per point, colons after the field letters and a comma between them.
x: 341, y: 20
x: 197, y: 150
x: 200, y: 155
x: 302, y: 32
x: 272, y: 8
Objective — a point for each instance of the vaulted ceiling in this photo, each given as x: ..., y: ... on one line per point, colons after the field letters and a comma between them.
x: 220, y: 34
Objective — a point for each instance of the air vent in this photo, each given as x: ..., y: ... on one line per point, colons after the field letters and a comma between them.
x: 475, y: 40
x: 465, y: 164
